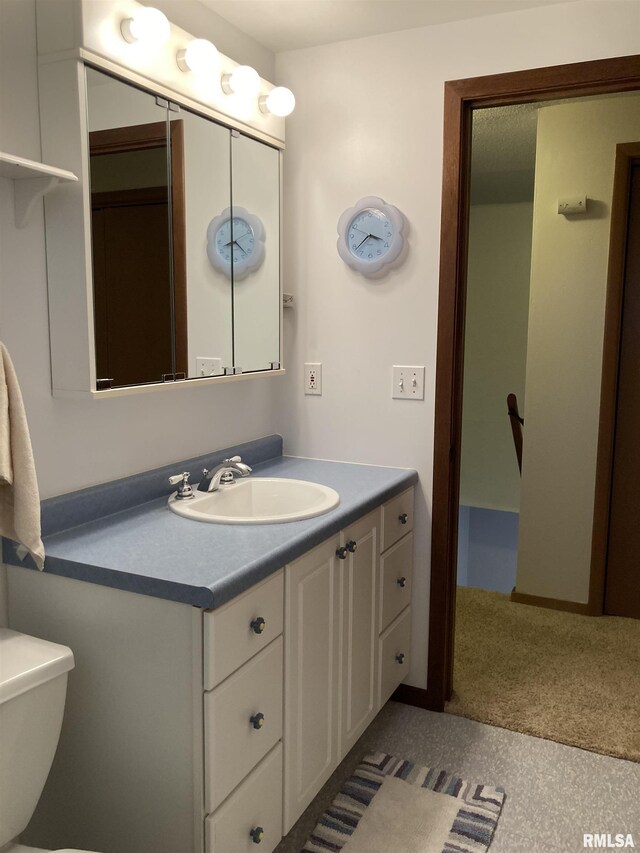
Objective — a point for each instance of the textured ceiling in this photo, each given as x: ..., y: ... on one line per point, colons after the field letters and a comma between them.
x: 291, y: 24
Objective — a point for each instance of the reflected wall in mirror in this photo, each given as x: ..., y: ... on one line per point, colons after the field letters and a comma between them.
x: 207, y: 188
x: 256, y: 297
x: 159, y: 175
x: 535, y: 319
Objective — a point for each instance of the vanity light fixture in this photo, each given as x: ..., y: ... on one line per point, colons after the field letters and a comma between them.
x: 200, y: 56
x: 279, y: 102
x: 243, y: 80
x: 148, y: 26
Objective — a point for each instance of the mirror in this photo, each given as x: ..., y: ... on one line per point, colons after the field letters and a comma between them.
x: 185, y: 241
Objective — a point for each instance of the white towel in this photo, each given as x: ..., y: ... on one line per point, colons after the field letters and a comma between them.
x: 19, y: 498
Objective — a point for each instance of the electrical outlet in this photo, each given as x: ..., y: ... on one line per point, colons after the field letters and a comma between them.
x: 313, y: 378
x: 408, y: 382
x: 208, y: 366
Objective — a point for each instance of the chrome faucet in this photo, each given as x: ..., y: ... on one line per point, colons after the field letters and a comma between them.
x: 223, y: 474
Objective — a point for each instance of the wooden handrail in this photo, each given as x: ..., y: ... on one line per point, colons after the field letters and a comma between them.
x: 516, y: 426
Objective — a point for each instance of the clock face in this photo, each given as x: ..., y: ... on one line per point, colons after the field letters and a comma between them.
x: 370, y: 235
x: 235, y: 240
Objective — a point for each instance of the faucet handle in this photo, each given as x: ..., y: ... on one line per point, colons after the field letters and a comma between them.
x: 184, y: 491
x: 234, y: 459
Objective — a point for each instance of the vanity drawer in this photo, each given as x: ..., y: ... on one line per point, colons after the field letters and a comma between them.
x: 397, y: 518
x: 238, y: 630
x: 233, y: 744
x: 394, y: 644
x: 396, y: 570
x: 255, y: 805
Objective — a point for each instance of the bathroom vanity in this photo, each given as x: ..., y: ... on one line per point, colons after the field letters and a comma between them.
x: 208, y: 725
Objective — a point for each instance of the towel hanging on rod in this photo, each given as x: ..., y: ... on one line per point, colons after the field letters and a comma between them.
x: 19, y: 496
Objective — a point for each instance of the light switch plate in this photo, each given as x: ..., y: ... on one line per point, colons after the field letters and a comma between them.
x: 313, y: 378
x: 408, y: 382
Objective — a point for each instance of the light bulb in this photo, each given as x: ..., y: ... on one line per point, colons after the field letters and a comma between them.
x: 243, y: 80
x: 279, y: 102
x: 200, y: 56
x: 147, y: 26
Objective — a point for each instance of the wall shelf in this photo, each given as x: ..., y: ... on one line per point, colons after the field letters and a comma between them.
x: 32, y: 181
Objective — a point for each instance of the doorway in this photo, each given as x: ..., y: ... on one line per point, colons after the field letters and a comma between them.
x: 461, y: 97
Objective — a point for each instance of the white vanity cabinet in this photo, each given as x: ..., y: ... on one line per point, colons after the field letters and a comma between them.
x: 342, y: 660
x: 191, y: 731
x: 243, y: 712
x: 396, y: 571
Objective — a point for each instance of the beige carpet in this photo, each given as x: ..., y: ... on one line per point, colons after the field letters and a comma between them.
x: 569, y: 678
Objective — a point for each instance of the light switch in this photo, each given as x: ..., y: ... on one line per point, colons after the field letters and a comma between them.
x: 408, y: 382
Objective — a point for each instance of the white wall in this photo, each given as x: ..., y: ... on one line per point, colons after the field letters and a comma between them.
x: 495, y: 338
x: 77, y: 443
x: 369, y: 121
x: 355, y: 132
x: 195, y: 18
x: 575, y: 155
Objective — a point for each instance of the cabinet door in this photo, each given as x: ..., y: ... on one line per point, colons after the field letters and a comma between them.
x: 312, y: 676
x: 359, y: 581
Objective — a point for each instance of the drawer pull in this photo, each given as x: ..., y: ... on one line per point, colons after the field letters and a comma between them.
x: 258, y: 625
x: 400, y: 658
x: 257, y: 834
x: 403, y: 518
x: 341, y: 553
x: 257, y: 721
x: 352, y: 546
x: 402, y: 582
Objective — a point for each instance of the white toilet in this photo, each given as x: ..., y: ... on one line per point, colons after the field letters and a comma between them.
x: 33, y: 687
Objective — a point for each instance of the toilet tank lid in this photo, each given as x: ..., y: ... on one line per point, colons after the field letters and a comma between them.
x: 26, y: 662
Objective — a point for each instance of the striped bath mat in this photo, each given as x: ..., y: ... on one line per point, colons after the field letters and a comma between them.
x: 392, y: 806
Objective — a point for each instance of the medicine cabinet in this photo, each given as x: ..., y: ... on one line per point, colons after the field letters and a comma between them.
x: 163, y: 259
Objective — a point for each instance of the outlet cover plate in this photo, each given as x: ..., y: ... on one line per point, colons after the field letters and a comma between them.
x: 208, y: 366
x: 408, y: 382
x: 313, y: 378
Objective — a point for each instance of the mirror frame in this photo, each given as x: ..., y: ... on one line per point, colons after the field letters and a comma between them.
x: 597, y: 77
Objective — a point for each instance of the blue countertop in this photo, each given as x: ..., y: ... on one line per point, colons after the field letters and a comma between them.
x: 150, y: 550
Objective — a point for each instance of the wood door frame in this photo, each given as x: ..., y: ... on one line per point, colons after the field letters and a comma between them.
x: 139, y: 137
x: 627, y: 156
x: 605, y: 76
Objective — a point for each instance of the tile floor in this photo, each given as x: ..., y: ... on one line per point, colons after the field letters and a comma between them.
x: 555, y: 793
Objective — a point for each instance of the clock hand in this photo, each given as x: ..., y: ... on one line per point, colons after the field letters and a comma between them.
x: 361, y: 241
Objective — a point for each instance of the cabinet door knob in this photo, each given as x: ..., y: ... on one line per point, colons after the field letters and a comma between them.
x: 341, y: 553
x: 403, y: 518
x: 258, y: 625
x: 257, y: 834
x: 400, y: 658
x: 257, y: 721
x: 402, y: 582
x: 352, y: 546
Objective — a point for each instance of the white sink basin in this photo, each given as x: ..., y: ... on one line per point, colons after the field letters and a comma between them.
x: 260, y: 500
